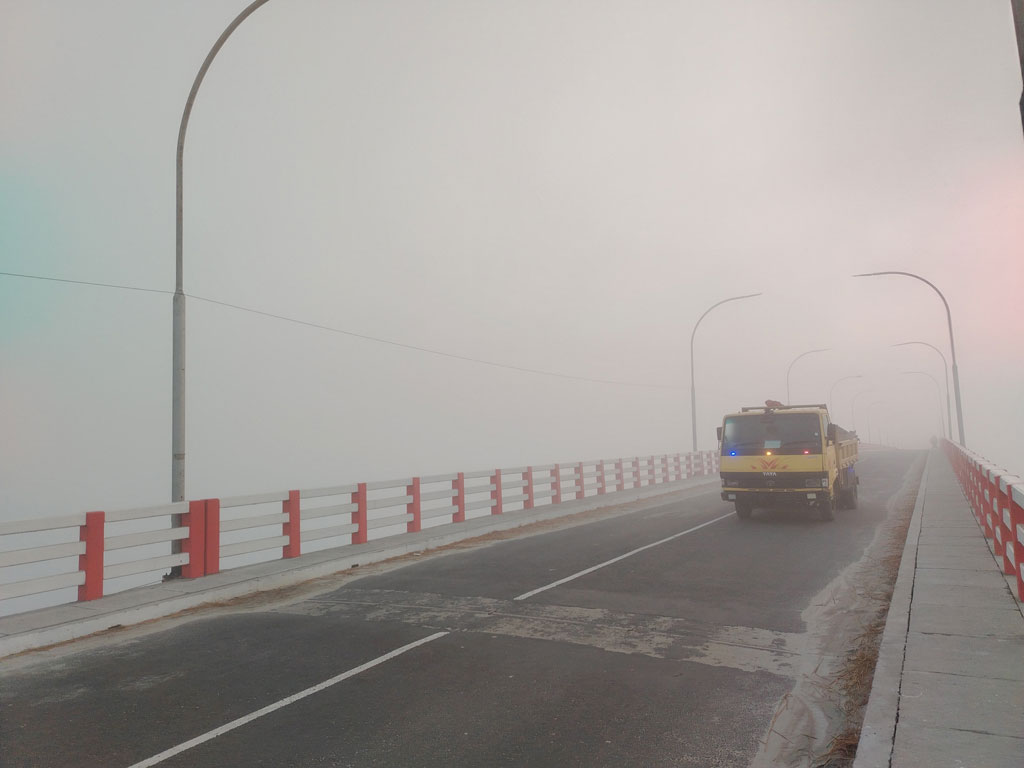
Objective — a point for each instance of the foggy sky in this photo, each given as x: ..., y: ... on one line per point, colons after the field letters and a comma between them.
x: 555, y: 186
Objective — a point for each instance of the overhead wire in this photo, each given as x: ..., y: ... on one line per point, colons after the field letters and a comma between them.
x: 353, y: 334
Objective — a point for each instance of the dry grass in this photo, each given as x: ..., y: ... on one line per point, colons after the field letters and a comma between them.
x: 859, y: 670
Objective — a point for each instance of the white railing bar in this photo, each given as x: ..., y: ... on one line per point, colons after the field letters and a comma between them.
x: 41, y: 554
x: 256, y: 498
x: 334, y: 490
x: 334, y: 509
x: 543, y: 494
x: 444, y: 493
x: 426, y: 514
x: 393, y: 501
x: 514, y: 471
x: 43, y: 584
x: 384, y: 522
x: 481, y: 504
x: 329, y: 532
x: 244, y: 547
x: 543, y: 468
x: 139, y: 513
x: 514, y: 499
x: 143, y: 566
x: 380, y: 485
x: 241, y: 523
x: 146, y: 537
x: 42, y: 524
x: 439, y: 478
x: 479, y: 473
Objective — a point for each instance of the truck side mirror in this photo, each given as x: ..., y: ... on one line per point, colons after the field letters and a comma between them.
x: 718, y: 431
x: 832, y: 433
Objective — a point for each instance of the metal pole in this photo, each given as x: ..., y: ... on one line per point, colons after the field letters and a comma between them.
x: 945, y: 374
x: 178, y: 325
x: 853, y: 407
x: 802, y: 354
x: 1018, y: 22
x: 952, y: 346
x: 693, y: 379
x: 870, y: 406
x: 833, y: 388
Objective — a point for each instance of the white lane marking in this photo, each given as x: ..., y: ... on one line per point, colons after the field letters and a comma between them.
x: 282, y: 703
x: 616, y: 559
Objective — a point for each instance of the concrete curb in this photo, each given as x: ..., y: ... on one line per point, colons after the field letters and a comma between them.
x: 878, y: 731
x: 49, y: 626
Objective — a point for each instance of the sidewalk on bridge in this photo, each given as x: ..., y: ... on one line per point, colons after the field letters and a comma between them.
x: 949, y: 684
x: 49, y: 626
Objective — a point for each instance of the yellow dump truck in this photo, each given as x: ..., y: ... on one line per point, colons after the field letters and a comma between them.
x: 787, y: 455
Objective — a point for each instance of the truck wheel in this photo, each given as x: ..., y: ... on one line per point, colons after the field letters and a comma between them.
x: 825, y: 510
x: 743, y: 510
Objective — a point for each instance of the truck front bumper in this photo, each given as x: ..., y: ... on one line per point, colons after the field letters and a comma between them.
x: 788, y: 497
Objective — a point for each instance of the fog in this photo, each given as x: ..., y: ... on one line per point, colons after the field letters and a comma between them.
x: 560, y: 187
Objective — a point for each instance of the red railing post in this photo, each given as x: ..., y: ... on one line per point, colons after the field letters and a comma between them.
x: 91, y: 562
x: 195, y: 544
x: 359, y: 515
x: 1005, y: 527
x: 620, y: 476
x: 528, y: 488
x: 1016, y: 514
x: 602, y: 486
x: 459, y: 486
x: 414, y: 507
x: 496, y: 493
x: 292, y: 528
x: 689, y: 465
x: 652, y: 470
x: 664, y: 468
x: 556, y: 485
x: 211, y: 556
x: 581, y: 491
x: 636, y: 472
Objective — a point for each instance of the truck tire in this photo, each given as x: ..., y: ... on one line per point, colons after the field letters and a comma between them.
x: 743, y: 510
x: 825, y: 510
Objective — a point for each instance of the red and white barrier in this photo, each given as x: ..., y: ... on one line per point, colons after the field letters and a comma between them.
x: 215, y: 533
x: 997, y: 500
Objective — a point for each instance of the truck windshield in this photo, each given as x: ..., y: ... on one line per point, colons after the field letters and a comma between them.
x: 783, y: 434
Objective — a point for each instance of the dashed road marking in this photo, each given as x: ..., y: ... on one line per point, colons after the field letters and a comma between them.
x: 168, y: 753
x: 593, y: 568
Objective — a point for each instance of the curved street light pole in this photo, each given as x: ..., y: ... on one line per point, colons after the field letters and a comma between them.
x: 853, y: 407
x: 833, y: 387
x: 178, y: 324
x: 870, y: 406
x: 945, y: 373
x: 693, y: 379
x: 938, y: 391
x: 802, y: 354
x: 952, y: 346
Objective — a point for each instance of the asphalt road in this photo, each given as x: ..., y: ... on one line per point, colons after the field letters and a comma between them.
x: 675, y: 655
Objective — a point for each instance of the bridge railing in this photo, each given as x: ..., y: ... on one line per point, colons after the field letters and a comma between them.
x: 997, y: 500
x: 102, y: 552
